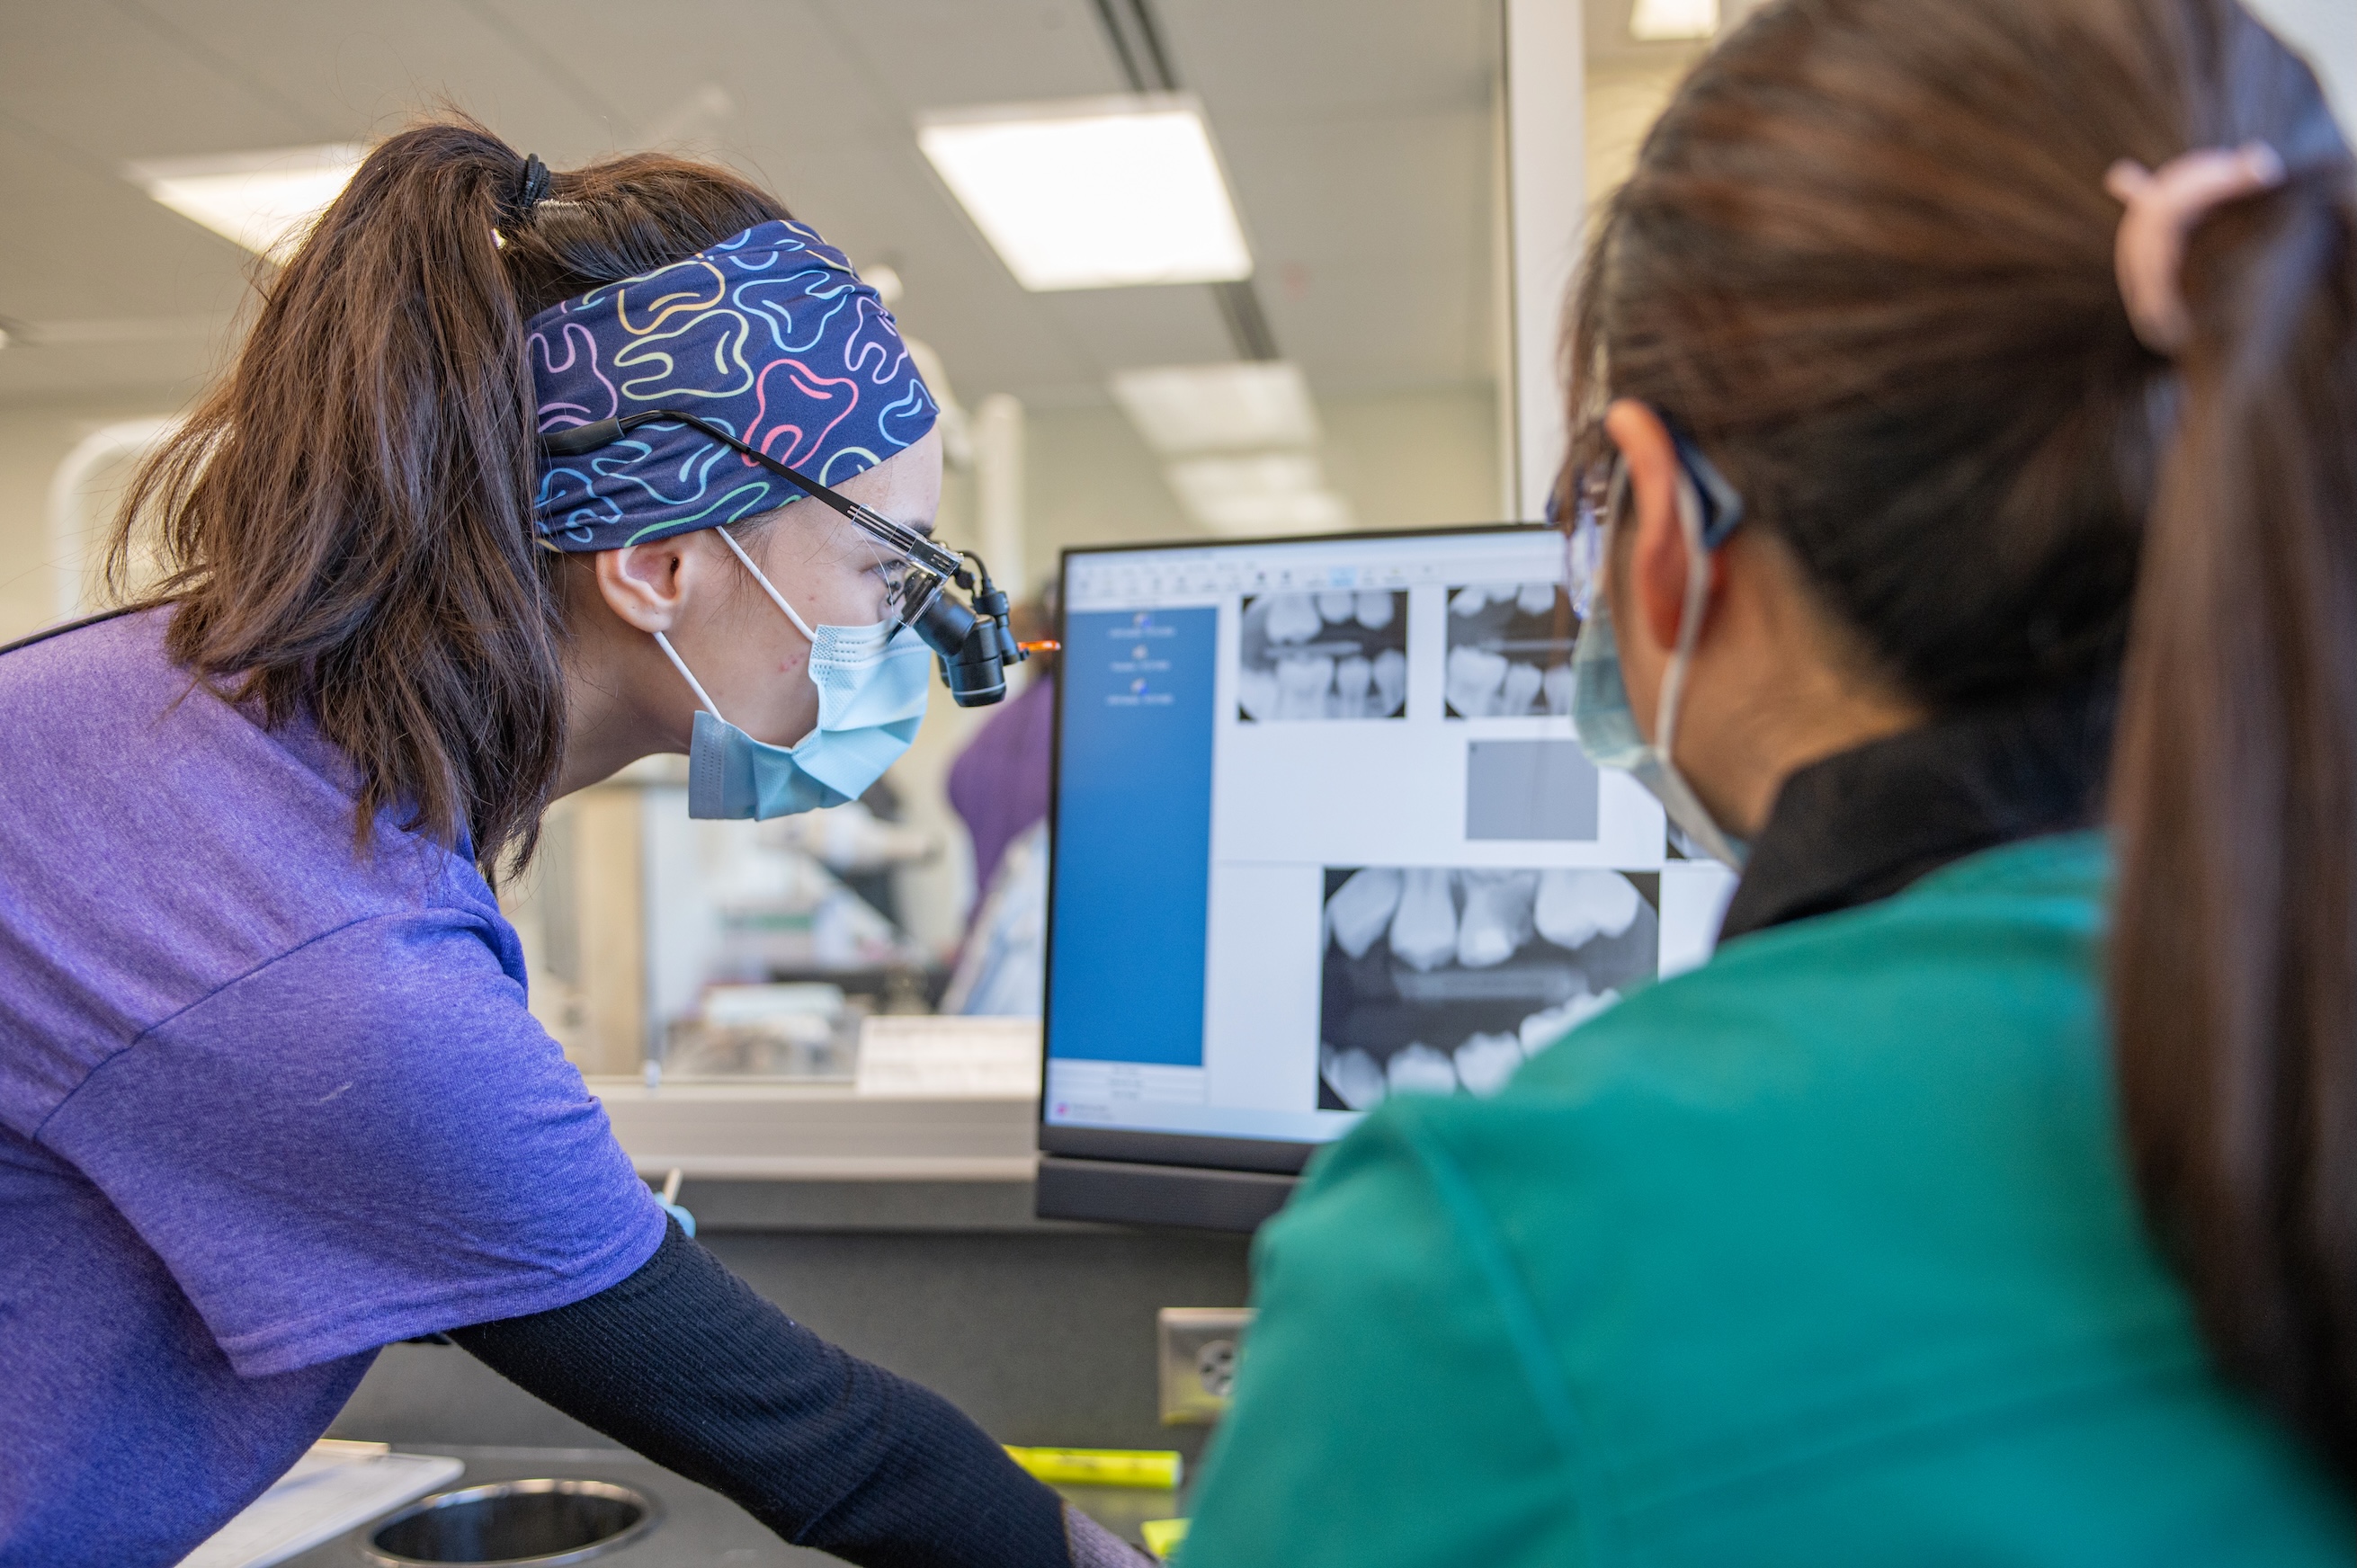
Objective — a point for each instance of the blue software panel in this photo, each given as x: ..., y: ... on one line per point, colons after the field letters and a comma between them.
x: 1134, y: 836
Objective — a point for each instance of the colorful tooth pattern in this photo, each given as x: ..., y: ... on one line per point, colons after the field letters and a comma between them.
x: 769, y: 335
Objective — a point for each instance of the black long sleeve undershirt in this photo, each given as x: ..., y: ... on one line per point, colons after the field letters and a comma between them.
x: 683, y: 1363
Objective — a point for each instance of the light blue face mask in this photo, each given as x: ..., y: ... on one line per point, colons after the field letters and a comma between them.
x: 1708, y: 509
x: 872, y: 686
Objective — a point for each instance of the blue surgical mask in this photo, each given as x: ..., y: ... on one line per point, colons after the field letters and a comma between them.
x: 872, y: 684
x: 1599, y: 695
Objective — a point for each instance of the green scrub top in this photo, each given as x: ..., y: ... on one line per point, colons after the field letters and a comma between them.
x: 1820, y: 1253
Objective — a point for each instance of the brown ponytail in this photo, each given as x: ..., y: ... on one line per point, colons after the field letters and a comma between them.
x: 2235, y: 946
x: 344, y: 518
x: 1866, y: 258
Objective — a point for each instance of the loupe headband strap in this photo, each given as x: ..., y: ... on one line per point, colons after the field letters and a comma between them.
x: 940, y: 563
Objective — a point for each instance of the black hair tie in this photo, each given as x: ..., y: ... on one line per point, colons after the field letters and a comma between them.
x: 533, y: 190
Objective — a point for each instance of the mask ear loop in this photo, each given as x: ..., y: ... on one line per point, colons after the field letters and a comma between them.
x: 1673, y: 680
x: 775, y: 597
x: 681, y: 664
x: 688, y: 675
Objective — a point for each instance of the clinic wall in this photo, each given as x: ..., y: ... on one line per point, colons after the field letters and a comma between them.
x: 1402, y: 460
x: 1623, y: 102
x: 1043, y: 1333
x: 36, y: 435
x: 1411, y: 459
x: 2326, y: 31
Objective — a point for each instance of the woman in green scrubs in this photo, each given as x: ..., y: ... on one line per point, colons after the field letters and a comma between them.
x: 1966, y: 396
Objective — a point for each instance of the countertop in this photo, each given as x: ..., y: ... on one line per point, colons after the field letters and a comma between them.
x: 700, y: 1529
x: 788, y: 1132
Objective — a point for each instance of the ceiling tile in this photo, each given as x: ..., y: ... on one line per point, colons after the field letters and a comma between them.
x: 1357, y: 138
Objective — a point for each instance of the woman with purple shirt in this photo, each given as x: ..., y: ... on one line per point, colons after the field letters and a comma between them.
x: 491, y: 504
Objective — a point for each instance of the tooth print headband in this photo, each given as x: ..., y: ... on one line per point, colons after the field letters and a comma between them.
x: 768, y: 334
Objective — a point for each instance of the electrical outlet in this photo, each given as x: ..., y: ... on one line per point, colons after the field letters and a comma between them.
x: 1201, y: 1347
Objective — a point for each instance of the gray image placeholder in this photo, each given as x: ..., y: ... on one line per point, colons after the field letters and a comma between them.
x: 1529, y: 790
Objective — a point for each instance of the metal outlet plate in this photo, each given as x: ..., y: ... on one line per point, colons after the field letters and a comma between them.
x: 1201, y: 1347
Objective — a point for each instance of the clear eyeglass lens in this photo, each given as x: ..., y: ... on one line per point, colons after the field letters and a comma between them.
x: 909, y: 589
x: 1589, y: 493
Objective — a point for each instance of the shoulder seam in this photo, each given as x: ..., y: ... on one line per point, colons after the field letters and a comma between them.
x: 1488, y: 1252
x: 181, y: 1012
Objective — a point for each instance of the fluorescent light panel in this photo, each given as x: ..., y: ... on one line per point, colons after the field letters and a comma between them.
x: 1267, y: 492
x: 1669, y: 21
x: 1183, y: 409
x: 266, y: 201
x: 1093, y: 193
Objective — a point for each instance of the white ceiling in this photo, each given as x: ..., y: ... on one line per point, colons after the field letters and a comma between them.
x: 1357, y: 134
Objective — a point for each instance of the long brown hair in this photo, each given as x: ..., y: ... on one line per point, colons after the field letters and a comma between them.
x: 1867, y: 261
x: 345, y: 518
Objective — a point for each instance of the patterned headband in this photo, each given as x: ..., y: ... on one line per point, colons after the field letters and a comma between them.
x: 768, y: 334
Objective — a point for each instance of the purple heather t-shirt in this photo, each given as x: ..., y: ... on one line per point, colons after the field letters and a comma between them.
x: 264, y: 1105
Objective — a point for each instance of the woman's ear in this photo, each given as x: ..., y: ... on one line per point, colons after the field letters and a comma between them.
x: 1655, y: 549
x: 645, y: 584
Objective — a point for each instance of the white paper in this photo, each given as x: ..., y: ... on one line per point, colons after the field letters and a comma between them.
x: 334, y: 1488
x: 924, y: 1057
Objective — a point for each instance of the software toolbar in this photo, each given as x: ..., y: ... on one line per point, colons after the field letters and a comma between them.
x: 1204, y: 575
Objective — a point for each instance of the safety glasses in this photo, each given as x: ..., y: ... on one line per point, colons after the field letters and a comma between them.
x: 975, y: 642
x: 924, y: 567
x: 1587, y: 496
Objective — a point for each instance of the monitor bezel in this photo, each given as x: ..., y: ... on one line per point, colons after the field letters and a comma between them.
x: 1123, y: 1145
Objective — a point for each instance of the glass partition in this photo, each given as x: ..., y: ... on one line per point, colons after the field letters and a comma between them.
x: 1330, y: 360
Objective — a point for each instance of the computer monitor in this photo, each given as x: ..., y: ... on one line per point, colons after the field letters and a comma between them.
x: 1322, y: 832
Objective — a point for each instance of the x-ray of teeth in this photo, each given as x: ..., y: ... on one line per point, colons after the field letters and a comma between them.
x: 1540, y: 1030
x: 1573, y: 907
x: 1391, y: 680
x: 1417, y: 1069
x: 1424, y: 930
x: 1332, y: 654
x: 1556, y: 684
x: 1510, y: 650
x: 1443, y: 979
x: 1354, y: 681
x: 1498, y: 916
x: 1362, y: 908
x: 1352, y: 1078
x: 1484, y: 1062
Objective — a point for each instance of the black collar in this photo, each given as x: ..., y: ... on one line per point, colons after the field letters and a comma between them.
x: 1865, y: 823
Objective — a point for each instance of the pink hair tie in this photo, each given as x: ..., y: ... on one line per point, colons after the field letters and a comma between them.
x: 2164, y: 208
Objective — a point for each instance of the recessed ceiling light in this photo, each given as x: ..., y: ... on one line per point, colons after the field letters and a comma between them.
x: 263, y: 201
x: 1268, y: 492
x: 1673, y: 21
x: 1182, y: 408
x: 1093, y: 193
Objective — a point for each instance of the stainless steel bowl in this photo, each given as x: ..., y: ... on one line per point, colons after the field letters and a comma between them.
x: 512, y: 1524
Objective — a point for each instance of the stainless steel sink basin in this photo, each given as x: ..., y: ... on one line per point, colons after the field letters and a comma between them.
x: 512, y: 1524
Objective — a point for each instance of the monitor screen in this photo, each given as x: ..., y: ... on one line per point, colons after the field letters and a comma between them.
x: 1323, y: 833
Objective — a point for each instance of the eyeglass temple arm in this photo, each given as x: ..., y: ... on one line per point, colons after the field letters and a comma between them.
x: 935, y: 559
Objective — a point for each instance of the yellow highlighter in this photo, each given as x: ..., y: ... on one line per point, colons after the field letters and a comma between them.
x: 1161, y: 1535
x: 1158, y: 1468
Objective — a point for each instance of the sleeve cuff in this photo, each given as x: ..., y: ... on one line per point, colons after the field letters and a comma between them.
x: 1093, y: 1546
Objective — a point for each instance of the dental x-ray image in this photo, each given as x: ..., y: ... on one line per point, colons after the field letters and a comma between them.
x: 1443, y: 982
x: 1510, y: 650
x: 1338, y: 654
